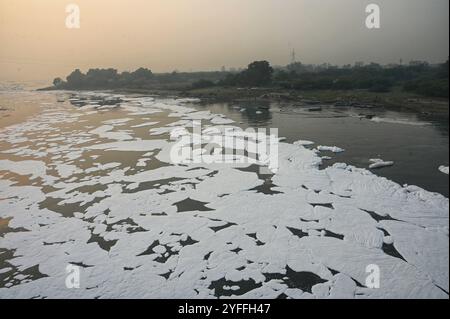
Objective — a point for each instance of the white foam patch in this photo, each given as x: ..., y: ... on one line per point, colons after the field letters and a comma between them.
x: 304, y: 143
x: 145, y: 124
x: 117, y: 121
x: 206, y: 230
x: 422, y: 253
x: 65, y: 170
x: 131, y: 146
x: 398, y: 121
x: 105, y: 132
x: 379, y: 163
x: 221, y: 121
x: 333, y: 149
x: 443, y: 169
x: 33, y: 168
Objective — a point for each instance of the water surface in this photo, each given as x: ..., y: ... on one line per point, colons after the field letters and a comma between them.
x: 418, y: 145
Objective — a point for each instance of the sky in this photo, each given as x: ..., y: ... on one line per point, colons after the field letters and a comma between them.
x: 191, y: 35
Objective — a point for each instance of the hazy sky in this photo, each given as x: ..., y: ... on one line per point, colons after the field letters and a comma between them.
x: 185, y: 35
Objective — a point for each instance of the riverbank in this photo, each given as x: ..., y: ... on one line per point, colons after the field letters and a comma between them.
x: 395, y: 100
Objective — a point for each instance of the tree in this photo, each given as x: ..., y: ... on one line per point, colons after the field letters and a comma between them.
x: 258, y: 73
x: 142, y: 74
x: 296, y: 67
x: 140, y: 77
x: 101, y: 78
x: 202, y: 84
x: 58, y: 82
x: 76, y: 79
x: 443, y: 70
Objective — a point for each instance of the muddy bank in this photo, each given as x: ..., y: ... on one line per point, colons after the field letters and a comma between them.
x: 395, y: 100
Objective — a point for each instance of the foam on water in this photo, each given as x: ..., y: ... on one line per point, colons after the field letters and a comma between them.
x: 91, y: 197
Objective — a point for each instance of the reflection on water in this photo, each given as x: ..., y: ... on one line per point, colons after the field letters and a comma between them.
x: 417, y: 143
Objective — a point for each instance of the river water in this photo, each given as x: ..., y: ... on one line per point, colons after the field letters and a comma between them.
x: 89, y: 182
x: 417, y: 145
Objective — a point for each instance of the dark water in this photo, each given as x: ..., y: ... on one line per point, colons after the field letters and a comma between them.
x: 417, y: 150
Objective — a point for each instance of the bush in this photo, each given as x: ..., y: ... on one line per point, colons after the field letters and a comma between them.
x: 381, y: 86
x: 343, y: 84
x: 258, y: 73
x: 58, y: 82
x: 429, y: 87
x: 202, y: 84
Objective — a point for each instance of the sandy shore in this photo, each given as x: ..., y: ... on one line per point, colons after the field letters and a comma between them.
x: 14, y: 110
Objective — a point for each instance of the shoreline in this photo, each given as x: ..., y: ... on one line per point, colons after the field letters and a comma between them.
x: 398, y: 101
x: 395, y: 100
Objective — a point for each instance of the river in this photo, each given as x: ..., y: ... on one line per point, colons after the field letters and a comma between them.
x: 417, y: 145
x: 93, y: 205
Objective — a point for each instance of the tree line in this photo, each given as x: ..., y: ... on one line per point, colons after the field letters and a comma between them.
x: 417, y: 77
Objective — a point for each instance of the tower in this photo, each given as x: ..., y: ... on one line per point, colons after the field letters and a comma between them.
x: 293, y: 57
